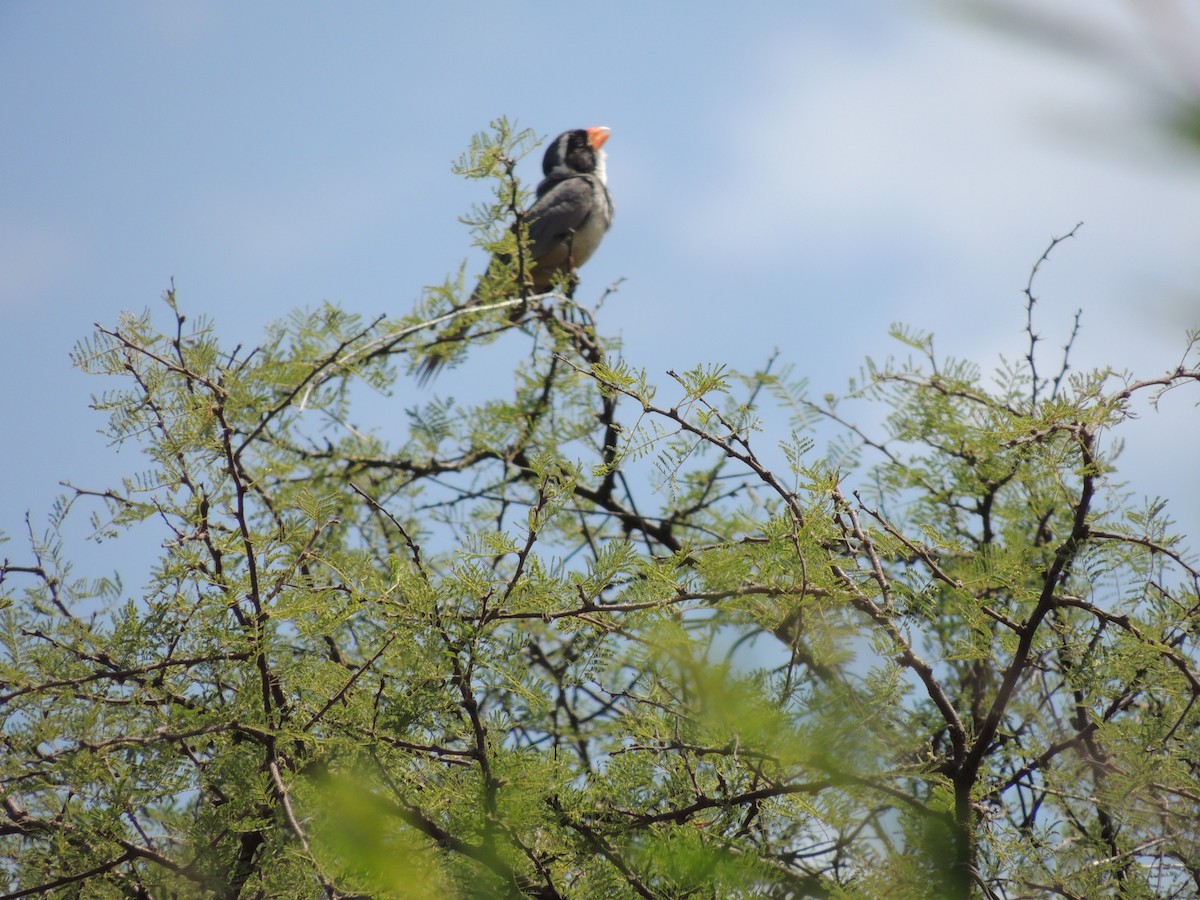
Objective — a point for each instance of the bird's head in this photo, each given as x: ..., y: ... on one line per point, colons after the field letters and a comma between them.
x: 576, y: 153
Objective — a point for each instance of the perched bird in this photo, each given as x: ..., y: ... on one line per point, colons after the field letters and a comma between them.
x: 567, y: 220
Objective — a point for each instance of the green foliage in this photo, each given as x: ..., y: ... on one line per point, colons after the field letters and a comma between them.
x: 582, y: 641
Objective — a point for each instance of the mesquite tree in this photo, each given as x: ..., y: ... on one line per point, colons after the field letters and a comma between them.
x: 598, y: 635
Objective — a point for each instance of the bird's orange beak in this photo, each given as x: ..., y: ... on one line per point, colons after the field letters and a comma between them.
x: 597, y: 136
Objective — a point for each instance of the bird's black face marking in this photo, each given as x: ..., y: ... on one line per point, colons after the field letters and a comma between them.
x: 570, y: 150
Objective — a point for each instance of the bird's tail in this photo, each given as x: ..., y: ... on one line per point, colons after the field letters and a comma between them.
x: 430, y: 369
x: 435, y: 362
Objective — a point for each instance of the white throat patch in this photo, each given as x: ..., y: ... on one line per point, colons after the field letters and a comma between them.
x: 600, y: 170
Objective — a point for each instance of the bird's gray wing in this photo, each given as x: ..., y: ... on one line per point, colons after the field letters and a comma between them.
x: 557, y: 212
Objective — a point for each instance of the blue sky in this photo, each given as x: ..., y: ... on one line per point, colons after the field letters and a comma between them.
x: 786, y: 175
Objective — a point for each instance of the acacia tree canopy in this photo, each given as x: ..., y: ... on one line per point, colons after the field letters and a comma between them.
x: 596, y: 636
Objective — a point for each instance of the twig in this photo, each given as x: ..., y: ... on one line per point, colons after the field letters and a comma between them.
x: 1031, y: 356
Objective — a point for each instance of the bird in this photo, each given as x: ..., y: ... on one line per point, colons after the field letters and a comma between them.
x: 570, y: 214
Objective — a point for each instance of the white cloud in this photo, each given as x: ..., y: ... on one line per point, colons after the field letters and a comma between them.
x: 947, y: 148
x: 939, y: 133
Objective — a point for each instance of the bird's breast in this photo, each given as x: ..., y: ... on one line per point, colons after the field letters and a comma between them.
x: 572, y: 246
x: 589, y: 234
